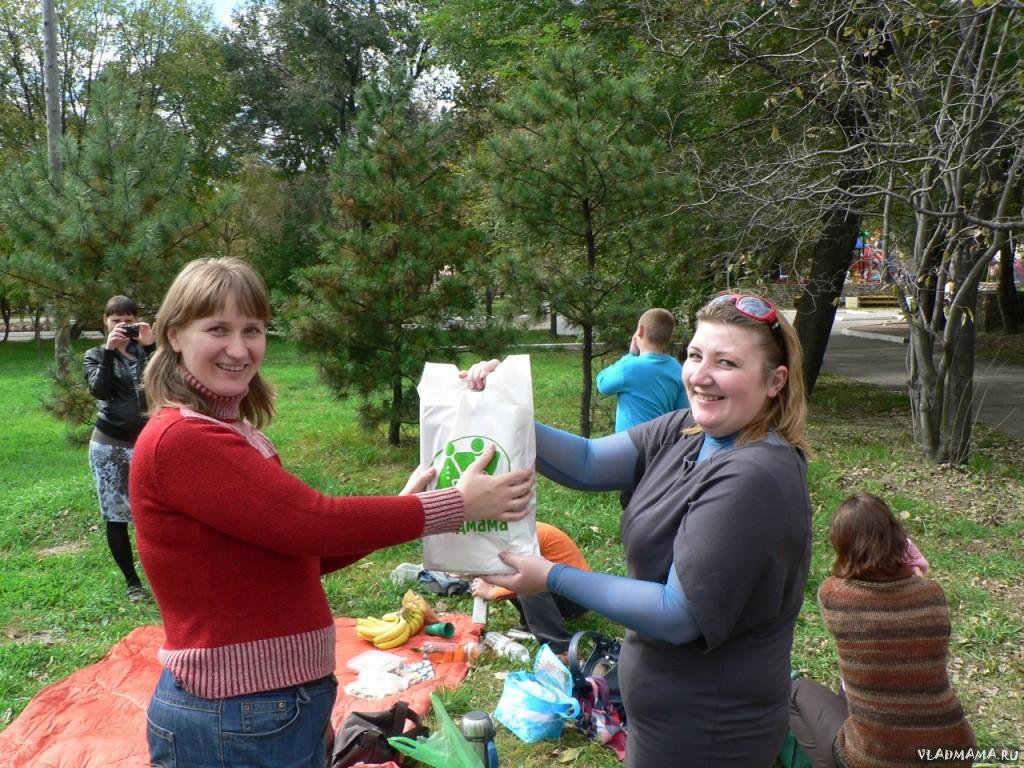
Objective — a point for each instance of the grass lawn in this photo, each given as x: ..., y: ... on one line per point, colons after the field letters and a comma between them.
x: 62, y: 601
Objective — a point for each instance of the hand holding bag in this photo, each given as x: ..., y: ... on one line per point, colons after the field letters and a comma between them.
x: 456, y: 426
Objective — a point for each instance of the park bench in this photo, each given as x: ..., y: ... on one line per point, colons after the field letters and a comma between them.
x: 871, y: 300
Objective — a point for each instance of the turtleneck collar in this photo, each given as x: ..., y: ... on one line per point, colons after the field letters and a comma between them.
x: 713, y: 445
x: 220, y: 406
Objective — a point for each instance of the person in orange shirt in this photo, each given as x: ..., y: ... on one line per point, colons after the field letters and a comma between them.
x: 543, y: 613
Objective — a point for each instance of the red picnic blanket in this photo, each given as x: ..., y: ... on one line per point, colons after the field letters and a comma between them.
x: 96, y: 717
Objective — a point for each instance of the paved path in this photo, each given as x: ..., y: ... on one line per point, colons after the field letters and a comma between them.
x: 871, y: 347
x: 46, y: 336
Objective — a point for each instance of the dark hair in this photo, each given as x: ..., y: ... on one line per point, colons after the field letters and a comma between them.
x: 120, y: 305
x: 867, y: 537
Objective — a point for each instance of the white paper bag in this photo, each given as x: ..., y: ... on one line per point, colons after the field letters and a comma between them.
x: 456, y: 425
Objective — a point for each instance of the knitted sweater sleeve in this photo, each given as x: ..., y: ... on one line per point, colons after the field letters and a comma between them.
x: 211, y: 473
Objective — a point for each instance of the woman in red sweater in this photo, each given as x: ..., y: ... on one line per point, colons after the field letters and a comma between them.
x: 234, y: 545
x: 892, y: 637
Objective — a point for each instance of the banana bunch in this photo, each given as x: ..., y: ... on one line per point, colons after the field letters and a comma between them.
x: 414, y: 615
x: 413, y: 600
x: 392, y: 629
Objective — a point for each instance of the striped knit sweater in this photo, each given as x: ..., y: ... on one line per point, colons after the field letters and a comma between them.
x: 893, y: 640
x: 234, y: 547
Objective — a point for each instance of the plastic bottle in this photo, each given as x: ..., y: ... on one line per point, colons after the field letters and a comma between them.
x: 480, y: 609
x: 507, y: 647
x: 440, y: 652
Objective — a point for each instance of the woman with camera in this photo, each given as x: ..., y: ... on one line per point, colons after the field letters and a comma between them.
x: 113, y: 372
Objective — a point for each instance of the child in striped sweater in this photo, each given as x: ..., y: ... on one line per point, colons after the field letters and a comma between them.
x: 892, y: 629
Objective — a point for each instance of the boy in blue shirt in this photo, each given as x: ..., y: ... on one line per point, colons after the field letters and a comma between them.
x: 648, y: 381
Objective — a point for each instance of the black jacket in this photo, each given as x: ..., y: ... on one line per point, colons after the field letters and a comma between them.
x: 116, y: 382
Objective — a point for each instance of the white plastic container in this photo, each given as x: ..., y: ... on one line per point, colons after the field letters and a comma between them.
x: 374, y: 661
x: 406, y: 572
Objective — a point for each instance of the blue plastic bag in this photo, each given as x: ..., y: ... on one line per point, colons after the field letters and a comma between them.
x: 535, y: 705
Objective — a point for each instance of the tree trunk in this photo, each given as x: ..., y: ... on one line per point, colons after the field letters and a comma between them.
x: 54, y: 128
x: 62, y: 350
x: 5, y: 306
x: 553, y: 328
x: 1007, y: 290
x: 816, y: 308
x: 395, y: 422
x: 942, y: 369
x: 929, y: 293
x: 922, y: 390
x: 958, y: 400
x: 588, y: 368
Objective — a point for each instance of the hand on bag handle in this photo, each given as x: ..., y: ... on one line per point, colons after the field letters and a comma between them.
x: 477, y: 374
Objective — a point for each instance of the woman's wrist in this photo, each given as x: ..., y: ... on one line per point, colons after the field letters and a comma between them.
x: 552, y: 577
x: 443, y: 511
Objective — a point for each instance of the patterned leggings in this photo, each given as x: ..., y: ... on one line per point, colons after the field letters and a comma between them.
x: 109, y: 465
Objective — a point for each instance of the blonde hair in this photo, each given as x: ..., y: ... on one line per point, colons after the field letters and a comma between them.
x: 200, y: 290
x: 787, y: 411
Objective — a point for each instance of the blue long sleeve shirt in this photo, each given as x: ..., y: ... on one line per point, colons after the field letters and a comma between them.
x: 659, y: 610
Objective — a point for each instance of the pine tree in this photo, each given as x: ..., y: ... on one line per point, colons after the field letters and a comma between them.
x: 396, y: 285
x: 576, y: 188
x: 124, y: 220
x: 128, y: 213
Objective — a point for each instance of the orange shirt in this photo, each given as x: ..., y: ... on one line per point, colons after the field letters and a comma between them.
x: 556, y: 546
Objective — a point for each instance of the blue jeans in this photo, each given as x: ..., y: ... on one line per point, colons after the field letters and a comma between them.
x: 285, y: 728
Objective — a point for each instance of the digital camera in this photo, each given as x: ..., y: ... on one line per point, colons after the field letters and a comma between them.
x: 131, y: 331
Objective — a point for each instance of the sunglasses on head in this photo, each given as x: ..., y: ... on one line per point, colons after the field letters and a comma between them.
x: 756, y: 308
x: 753, y: 307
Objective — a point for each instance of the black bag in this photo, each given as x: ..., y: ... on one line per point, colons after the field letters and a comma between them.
x: 602, y: 659
x: 364, y: 735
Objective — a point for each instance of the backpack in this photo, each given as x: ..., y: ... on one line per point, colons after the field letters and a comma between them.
x: 602, y: 716
x: 602, y: 660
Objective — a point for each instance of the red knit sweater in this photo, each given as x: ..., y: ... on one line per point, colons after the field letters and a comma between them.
x: 234, y: 547
x: 893, y: 640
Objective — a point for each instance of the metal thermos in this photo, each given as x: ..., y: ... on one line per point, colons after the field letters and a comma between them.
x: 478, y: 728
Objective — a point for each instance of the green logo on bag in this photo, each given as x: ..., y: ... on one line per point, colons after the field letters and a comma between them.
x: 458, y: 454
